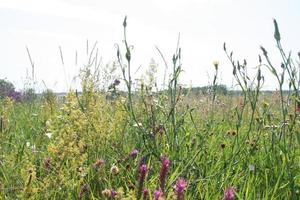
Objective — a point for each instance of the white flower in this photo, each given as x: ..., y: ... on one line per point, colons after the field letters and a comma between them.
x: 48, y: 123
x: 49, y: 135
x: 27, y: 144
x: 137, y: 125
x: 33, y: 148
x: 252, y: 168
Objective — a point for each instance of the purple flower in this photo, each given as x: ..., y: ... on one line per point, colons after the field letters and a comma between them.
x: 145, y: 193
x: 113, y: 193
x: 157, y: 194
x: 116, y: 82
x: 134, y: 153
x: 179, y: 188
x: 229, y: 193
x: 143, y: 171
x: 141, y: 179
x: 83, y: 190
x: 163, y: 172
x: 16, y: 96
x: 141, y: 162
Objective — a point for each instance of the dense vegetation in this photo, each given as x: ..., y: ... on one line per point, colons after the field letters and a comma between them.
x: 141, y: 144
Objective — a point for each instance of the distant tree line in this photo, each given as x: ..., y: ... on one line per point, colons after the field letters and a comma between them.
x: 206, y: 90
x: 7, y: 89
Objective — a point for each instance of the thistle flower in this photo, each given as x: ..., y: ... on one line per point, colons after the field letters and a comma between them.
x: 83, y: 190
x: 98, y: 163
x: 106, y: 193
x: 134, y: 153
x: 114, y: 170
x: 141, y: 179
x: 116, y: 82
x: 157, y: 194
x: 145, y: 194
x: 179, y: 188
x: 141, y: 162
x: 143, y: 171
x: 229, y: 194
x: 163, y: 172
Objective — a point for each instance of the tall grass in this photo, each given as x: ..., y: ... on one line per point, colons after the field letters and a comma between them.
x: 169, y: 144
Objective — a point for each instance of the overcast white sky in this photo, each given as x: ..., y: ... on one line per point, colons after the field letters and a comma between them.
x: 44, y: 25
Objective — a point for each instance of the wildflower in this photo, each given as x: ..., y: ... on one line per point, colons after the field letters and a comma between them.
x: 252, y: 168
x: 116, y: 82
x: 33, y: 148
x: 16, y: 96
x: 141, y: 162
x: 131, y: 186
x: 49, y: 135
x: 163, y: 172
x: 216, y: 64
x: 179, y: 188
x: 233, y: 133
x: 145, y: 194
x: 134, y: 153
x: 137, y: 124
x: 98, y: 163
x: 113, y: 193
x: 298, y: 108
x: 229, y: 193
x: 143, y: 171
x: 48, y: 123
x: 27, y: 144
x: 47, y: 164
x: 114, y: 170
x: 83, y: 190
x: 141, y: 179
x: 160, y: 129
x: 106, y: 193
x: 157, y: 194
x: 82, y: 171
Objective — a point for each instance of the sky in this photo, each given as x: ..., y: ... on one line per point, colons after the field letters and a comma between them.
x: 45, y: 26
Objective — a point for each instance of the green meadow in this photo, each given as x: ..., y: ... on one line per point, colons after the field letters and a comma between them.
x: 143, y: 143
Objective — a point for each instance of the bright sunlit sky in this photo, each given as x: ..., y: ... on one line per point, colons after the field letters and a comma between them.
x: 44, y: 25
